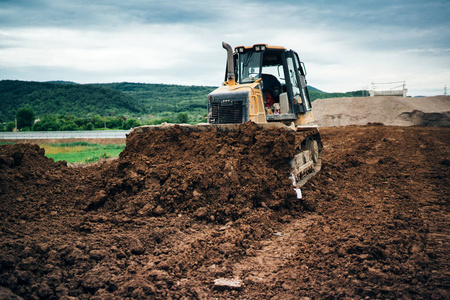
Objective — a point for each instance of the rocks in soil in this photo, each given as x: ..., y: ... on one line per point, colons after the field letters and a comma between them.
x: 228, y: 284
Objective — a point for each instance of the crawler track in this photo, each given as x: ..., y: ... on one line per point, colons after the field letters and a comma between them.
x: 307, y: 161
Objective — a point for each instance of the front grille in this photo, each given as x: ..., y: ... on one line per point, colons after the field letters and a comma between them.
x: 227, y: 112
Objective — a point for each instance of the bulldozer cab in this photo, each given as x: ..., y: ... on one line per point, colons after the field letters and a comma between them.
x: 282, y: 77
x: 263, y: 84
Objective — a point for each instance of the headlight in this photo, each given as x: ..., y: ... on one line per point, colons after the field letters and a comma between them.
x: 259, y: 47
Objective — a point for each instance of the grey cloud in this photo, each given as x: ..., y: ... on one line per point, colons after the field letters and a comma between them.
x: 357, y: 15
x: 327, y: 14
x: 327, y: 33
x: 82, y: 13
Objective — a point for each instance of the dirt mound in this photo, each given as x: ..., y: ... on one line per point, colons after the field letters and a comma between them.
x: 218, y: 176
x: 86, y: 231
x: 388, y: 110
x: 383, y: 195
x: 26, y: 172
x: 155, y: 224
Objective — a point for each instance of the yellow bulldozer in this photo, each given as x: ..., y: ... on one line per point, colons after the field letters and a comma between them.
x: 265, y: 85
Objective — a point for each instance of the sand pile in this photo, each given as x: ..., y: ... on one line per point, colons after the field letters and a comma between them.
x: 387, y: 110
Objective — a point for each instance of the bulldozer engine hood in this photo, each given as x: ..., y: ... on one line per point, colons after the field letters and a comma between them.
x: 228, y: 106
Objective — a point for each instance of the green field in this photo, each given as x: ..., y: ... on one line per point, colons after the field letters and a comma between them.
x: 81, y: 152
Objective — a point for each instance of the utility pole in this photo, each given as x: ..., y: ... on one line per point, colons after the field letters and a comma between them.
x: 445, y: 90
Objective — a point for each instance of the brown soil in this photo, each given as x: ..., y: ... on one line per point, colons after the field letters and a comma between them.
x: 179, y: 210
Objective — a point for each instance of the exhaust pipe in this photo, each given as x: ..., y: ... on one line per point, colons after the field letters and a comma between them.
x: 230, y: 64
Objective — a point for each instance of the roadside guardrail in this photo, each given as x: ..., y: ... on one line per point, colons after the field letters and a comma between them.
x: 25, y: 135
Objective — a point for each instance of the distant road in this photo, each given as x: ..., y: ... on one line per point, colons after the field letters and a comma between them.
x: 47, y: 135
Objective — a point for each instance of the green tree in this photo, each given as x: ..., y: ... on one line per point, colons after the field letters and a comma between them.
x: 10, y: 126
x: 130, y: 123
x: 69, y: 126
x: 81, y: 122
x: 161, y: 120
x: 114, y: 123
x: 182, y: 118
x: 25, y: 117
x: 89, y: 126
x: 48, y: 123
x: 98, y: 122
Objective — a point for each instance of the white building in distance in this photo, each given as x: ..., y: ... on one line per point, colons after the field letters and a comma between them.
x: 397, y: 88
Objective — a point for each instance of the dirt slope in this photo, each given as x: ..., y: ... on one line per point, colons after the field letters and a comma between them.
x: 155, y: 223
x: 388, y: 110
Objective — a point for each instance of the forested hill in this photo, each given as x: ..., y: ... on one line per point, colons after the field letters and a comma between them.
x: 165, y: 98
x: 315, y: 94
x: 49, y: 98
x: 112, y: 99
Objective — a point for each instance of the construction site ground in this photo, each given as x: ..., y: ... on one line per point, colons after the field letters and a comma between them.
x: 203, y: 216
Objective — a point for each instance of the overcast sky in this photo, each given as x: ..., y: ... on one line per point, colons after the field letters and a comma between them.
x: 346, y: 45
